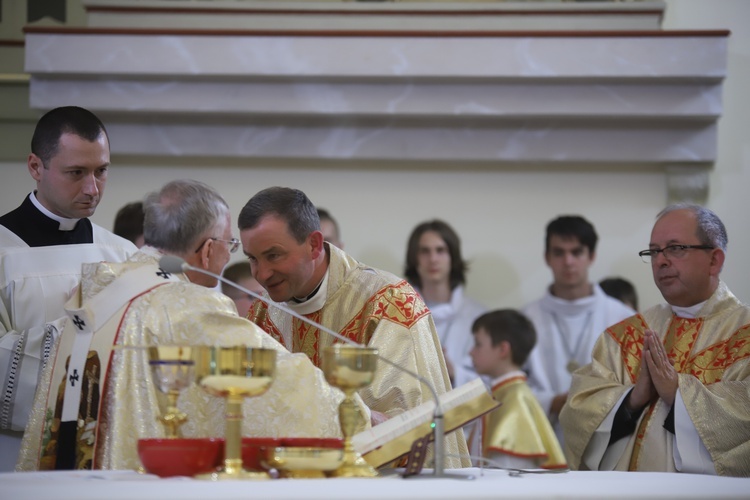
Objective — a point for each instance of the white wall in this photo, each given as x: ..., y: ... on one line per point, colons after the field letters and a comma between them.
x: 730, y: 180
x: 500, y: 214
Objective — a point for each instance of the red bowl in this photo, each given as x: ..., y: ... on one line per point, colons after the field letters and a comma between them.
x: 254, y: 450
x: 180, y: 456
x: 312, y: 442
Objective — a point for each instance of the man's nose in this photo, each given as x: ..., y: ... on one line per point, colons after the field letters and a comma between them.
x: 660, y: 260
x: 262, y: 272
x: 90, y: 185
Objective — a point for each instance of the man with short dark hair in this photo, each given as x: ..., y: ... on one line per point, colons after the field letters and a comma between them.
x: 669, y: 389
x: 280, y: 233
x: 621, y: 289
x: 43, y: 243
x: 570, y: 315
x: 129, y: 223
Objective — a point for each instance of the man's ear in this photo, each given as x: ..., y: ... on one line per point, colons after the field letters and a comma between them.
x: 316, y: 244
x: 203, y: 257
x: 35, y: 165
x: 717, y: 261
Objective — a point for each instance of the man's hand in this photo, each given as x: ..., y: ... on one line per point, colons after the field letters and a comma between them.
x: 663, y: 374
x: 643, y: 391
x: 377, y: 417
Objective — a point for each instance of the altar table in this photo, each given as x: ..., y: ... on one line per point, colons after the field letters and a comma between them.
x: 487, y: 483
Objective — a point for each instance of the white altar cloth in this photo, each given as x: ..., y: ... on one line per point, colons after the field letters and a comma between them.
x: 115, y: 485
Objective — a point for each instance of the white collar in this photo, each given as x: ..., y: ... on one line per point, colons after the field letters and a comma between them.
x: 314, y: 303
x: 65, y: 223
x: 507, y: 376
x: 688, y: 312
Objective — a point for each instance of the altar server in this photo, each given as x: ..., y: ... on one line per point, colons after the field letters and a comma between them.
x: 43, y: 243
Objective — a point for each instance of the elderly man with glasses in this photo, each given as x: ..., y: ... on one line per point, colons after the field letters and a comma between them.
x: 669, y: 389
x: 96, y: 400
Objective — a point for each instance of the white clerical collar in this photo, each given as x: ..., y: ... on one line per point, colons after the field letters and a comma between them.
x: 688, y: 312
x: 314, y: 303
x: 65, y: 224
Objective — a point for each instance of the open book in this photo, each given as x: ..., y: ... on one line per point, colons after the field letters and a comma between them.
x: 393, y: 438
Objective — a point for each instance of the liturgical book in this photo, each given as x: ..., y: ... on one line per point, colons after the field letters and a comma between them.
x: 393, y: 438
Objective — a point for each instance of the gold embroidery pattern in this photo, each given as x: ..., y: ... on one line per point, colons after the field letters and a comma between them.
x: 641, y: 433
x: 629, y: 335
x: 306, y: 338
x: 395, y: 303
x: 708, y: 365
x: 680, y: 339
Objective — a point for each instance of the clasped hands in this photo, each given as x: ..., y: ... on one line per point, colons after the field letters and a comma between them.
x: 657, y: 377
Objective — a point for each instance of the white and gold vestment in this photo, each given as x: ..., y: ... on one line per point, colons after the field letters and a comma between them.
x: 299, y: 402
x: 380, y: 310
x: 711, y: 353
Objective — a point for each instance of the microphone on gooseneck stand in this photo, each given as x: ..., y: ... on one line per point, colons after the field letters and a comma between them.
x: 176, y: 265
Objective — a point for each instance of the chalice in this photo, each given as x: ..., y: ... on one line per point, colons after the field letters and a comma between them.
x: 173, y: 370
x: 234, y: 373
x: 350, y: 368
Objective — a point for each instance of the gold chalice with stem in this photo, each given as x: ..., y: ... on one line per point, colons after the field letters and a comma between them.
x: 234, y: 373
x: 173, y: 369
x: 350, y: 368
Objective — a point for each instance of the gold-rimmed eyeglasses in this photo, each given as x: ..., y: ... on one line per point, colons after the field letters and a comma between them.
x: 233, y: 244
x: 671, y: 251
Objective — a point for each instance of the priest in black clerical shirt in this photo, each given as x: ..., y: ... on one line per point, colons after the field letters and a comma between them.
x: 43, y: 244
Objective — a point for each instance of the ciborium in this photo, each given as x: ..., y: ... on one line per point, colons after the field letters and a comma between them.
x: 350, y: 368
x: 173, y: 369
x: 303, y: 462
x: 234, y: 373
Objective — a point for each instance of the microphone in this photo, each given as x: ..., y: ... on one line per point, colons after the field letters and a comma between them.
x: 176, y: 265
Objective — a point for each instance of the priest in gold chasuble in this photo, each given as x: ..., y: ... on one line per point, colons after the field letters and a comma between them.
x: 145, y: 306
x: 280, y: 233
x: 669, y: 389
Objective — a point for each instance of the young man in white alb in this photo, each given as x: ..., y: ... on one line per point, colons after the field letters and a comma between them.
x: 571, y: 314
